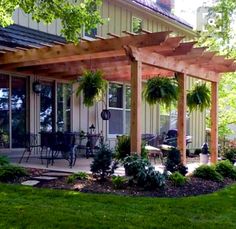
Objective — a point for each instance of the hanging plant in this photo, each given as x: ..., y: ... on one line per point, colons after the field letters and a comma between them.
x: 93, y: 86
x: 161, y: 90
x: 199, y: 97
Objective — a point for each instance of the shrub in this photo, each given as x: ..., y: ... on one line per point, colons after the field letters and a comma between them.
x: 230, y: 154
x: 11, y: 173
x: 133, y: 164
x: 4, y: 160
x: 208, y: 173
x: 173, y: 163
x: 118, y: 182
x: 226, y: 169
x: 143, y: 173
x: 178, y: 179
x: 197, y: 151
x: 150, y: 179
x: 77, y: 176
x: 123, y: 148
x: 103, y: 164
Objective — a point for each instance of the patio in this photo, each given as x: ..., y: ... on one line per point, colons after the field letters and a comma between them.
x: 83, y: 164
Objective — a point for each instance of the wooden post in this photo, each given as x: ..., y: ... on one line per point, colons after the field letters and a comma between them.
x: 181, y: 122
x: 136, y: 106
x: 214, y: 122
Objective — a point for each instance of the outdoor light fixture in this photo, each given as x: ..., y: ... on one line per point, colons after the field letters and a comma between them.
x: 105, y: 114
x: 37, y: 87
x: 92, y: 128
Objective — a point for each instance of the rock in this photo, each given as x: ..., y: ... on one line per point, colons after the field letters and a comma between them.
x: 30, y: 182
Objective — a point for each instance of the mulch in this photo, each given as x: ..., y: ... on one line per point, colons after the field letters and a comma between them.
x: 194, y: 186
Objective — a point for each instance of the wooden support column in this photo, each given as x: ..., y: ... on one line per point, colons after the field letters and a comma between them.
x: 214, y: 122
x: 181, y: 122
x: 136, y: 106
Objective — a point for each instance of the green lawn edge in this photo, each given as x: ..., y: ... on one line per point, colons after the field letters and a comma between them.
x: 26, y: 207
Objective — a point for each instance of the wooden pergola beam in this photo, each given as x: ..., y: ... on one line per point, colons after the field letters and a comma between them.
x: 214, y: 122
x: 182, y: 110
x: 95, y: 56
x: 169, y: 63
x: 136, y: 107
x: 83, y: 49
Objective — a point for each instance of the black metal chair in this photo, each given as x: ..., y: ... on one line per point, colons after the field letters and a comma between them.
x: 31, y: 143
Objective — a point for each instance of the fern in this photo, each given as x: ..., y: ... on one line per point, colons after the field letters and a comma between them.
x: 93, y: 87
x: 199, y: 97
x: 161, y: 90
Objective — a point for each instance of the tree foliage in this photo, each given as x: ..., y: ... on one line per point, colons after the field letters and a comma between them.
x: 223, y: 39
x: 74, y: 15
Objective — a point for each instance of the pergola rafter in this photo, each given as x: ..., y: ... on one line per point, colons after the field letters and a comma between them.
x: 130, y: 58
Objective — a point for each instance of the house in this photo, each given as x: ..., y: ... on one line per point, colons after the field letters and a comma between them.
x: 57, y: 107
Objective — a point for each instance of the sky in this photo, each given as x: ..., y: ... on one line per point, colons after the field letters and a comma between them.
x: 187, y: 9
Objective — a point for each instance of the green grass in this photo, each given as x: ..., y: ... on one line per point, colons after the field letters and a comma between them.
x: 24, y: 207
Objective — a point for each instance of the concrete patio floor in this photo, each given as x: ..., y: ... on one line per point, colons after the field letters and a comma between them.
x: 82, y: 164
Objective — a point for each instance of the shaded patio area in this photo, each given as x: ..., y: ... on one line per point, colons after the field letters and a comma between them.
x: 83, y: 164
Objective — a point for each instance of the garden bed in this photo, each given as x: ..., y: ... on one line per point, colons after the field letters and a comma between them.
x: 194, y: 186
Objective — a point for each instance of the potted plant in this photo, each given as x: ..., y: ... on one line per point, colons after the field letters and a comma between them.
x: 161, y: 90
x: 204, y: 155
x: 199, y: 97
x: 93, y: 86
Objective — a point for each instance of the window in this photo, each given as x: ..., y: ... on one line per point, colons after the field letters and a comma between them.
x: 136, y: 25
x: 92, y: 33
x: 119, y: 105
x: 63, y: 107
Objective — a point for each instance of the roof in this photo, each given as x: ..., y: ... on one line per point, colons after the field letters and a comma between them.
x: 18, y: 37
x: 158, y: 9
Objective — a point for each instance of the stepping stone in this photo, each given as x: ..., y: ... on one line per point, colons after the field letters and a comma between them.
x: 30, y: 182
x: 56, y: 174
x: 44, y: 178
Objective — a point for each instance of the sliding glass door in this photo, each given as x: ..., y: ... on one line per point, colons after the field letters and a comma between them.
x: 18, y: 111
x: 55, y: 107
x: 4, y: 112
x: 47, y: 107
x: 12, y: 111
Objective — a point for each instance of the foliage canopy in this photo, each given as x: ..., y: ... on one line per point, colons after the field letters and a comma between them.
x: 75, y: 16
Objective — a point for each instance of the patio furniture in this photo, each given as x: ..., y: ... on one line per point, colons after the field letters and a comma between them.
x: 91, y: 144
x: 61, y: 146
x: 154, y: 140
x: 154, y: 153
x: 31, y: 143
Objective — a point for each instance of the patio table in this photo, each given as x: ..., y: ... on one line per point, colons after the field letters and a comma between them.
x: 56, y: 143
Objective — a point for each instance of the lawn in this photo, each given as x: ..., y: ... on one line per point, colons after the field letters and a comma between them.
x: 24, y: 207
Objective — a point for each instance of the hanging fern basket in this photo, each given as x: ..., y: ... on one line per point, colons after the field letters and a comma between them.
x: 199, y: 97
x: 161, y: 90
x: 93, y: 87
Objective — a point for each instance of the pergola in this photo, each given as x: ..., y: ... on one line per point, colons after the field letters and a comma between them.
x: 130, y: 58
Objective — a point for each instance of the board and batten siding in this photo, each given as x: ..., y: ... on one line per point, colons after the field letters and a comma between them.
x: 119, y: 17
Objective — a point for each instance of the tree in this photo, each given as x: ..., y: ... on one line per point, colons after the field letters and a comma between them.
x: 74, y: 16
x: 224, y: 41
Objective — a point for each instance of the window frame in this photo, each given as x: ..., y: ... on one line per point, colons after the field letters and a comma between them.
x: 123, y: 109
x: 132, y: 27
